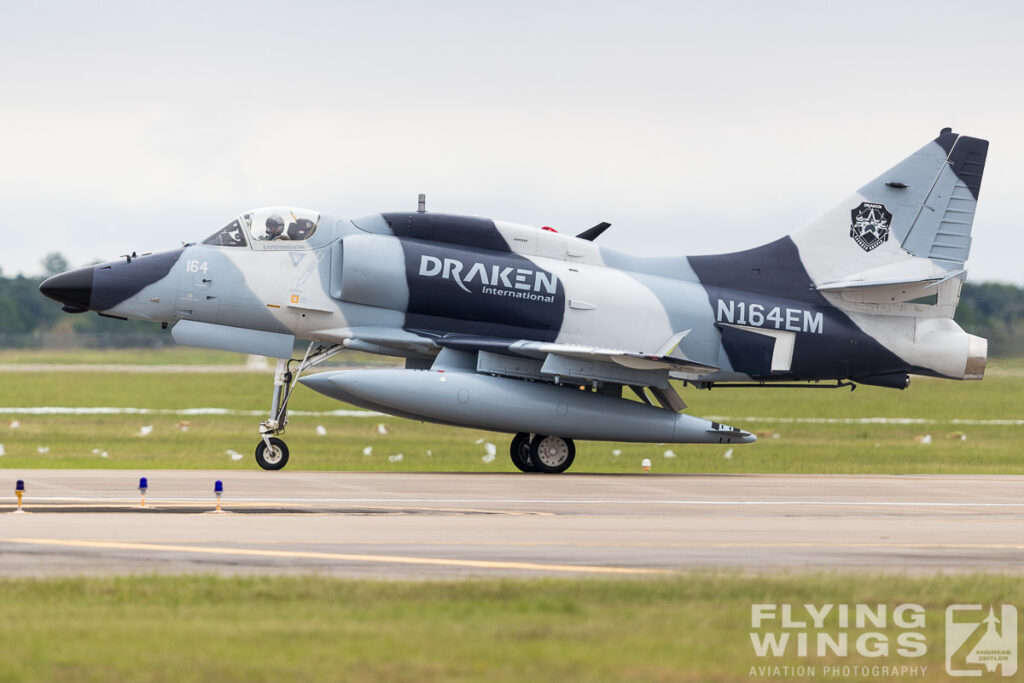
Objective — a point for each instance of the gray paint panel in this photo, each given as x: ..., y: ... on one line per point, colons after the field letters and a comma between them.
x: 918, y: 172
x: 675, y: 284
x: 224, y: 338
x: 372, y: 269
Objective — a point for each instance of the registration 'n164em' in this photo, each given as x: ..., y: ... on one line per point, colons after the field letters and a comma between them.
x: 771, y: 317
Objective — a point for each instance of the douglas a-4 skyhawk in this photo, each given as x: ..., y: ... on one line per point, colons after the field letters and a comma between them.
x: 524, y: 330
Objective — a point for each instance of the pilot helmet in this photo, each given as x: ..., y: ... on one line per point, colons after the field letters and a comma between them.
x: 275, y: 226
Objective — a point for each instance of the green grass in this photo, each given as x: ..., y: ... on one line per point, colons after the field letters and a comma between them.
x: 171, y: 355
x: 783, y: 447
x: 168, y: 355
x: 202, y: 628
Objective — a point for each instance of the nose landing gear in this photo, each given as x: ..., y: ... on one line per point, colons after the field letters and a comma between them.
x: 271, y: 452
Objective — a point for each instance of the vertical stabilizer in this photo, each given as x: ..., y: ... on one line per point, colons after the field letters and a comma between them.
x: 910, y: 224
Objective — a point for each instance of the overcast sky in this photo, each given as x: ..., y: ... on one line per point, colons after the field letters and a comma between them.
x: 691, y: 127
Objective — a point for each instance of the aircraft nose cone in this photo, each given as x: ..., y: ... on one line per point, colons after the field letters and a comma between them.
x: 73, y: 289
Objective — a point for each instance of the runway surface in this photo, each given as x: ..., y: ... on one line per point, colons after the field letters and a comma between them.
x: 426, y: 525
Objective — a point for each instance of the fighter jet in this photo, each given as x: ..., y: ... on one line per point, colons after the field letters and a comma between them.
x: 554, y: 338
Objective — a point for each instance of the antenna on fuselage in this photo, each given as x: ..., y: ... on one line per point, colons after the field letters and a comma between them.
x: 422, y: 207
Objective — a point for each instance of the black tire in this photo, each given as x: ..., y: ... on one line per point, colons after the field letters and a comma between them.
x: 552, y: 454
x: 274, y: 458
x: 520, y: 452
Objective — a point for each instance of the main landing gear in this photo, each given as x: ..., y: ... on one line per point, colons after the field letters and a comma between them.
x: 271, y: 452
x: 541, y: 453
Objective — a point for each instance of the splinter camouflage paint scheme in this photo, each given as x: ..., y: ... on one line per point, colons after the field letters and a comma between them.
x: 524, y: 330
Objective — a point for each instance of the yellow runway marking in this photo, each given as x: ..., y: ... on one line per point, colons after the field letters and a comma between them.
x: 347, y: 557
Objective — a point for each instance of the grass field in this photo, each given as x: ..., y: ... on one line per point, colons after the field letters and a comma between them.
x: 788, y: 443
x: 202, y: 628
x: 169, y: 355
x: 261, y: 628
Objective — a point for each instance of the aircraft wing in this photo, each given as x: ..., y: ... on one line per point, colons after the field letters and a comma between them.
x: 665, y: 359
x: 628, y: 359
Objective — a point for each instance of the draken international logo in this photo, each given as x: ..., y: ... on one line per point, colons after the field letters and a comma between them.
x: 495, y: 280
x: 870, y: 225
x: 980, y: 640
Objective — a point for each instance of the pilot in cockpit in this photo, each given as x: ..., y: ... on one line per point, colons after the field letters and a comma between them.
x: 275, y: 228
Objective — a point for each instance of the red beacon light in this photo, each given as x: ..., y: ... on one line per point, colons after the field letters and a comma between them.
x: 549, y: 229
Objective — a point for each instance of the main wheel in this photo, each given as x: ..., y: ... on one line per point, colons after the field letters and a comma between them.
x: 520, y: 452
x: 552, y: 454
x: 273, y: 458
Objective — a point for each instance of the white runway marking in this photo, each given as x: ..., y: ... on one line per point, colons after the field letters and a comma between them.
x: 539, y: 501
x: 112, y: 410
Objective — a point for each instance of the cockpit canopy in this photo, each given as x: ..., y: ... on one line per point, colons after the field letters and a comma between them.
x: 270, y: 224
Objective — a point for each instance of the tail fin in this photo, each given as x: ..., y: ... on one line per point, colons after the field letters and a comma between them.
x: 912, y: 224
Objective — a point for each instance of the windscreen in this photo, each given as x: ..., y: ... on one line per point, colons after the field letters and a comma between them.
x: 231, y: 235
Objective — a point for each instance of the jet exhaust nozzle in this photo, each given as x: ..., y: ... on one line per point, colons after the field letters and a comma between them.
x: 943, y: 346
x: 977, y: 354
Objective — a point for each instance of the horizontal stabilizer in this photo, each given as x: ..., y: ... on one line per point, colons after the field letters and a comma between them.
x: 910, y: 273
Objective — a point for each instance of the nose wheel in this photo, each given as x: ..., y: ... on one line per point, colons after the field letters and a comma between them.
x: 272, y: 454
x: 541, y: 453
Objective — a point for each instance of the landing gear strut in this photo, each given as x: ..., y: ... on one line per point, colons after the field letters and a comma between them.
x: 541, y: 453
x: 271, y: 452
